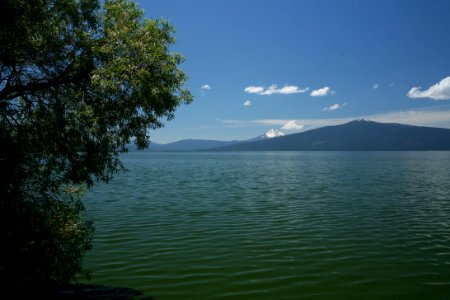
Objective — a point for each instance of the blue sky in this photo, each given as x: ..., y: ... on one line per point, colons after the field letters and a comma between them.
x: 294, y: 65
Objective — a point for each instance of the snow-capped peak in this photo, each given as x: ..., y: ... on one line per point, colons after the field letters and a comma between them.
x: 273, y: 133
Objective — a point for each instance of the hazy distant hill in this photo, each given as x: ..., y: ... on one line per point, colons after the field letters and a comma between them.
x: 195, y: 145
x: 360, y: 135
x: 190, y: 145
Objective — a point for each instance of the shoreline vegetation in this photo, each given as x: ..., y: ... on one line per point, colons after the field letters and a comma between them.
x: 92, y: 291
x: 80, y: 79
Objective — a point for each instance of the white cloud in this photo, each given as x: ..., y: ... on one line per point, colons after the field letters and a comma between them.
x: 273, y: 89
x: 435, y: 116
x: 281, y: 122
x: 334, y: 107
x: 247, y: 103
x: 254, y: 89
x: 205, y: 87
x: 438, y: 116
x: 439, y: 91
x: 292, y: 89
x: 376, y: 86
x: 293, y: 125
x: 321, y: 92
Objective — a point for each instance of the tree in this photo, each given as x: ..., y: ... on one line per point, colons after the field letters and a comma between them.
x: 78, y: 82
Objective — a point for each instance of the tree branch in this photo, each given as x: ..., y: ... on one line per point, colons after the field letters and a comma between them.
x: 13, y: 91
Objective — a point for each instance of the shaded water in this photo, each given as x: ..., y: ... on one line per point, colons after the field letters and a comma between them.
x: 275, y: 225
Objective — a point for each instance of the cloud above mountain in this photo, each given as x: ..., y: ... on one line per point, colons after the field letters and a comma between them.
x: 438, y: 91
x: 438, y: 116
x: 292, y: 125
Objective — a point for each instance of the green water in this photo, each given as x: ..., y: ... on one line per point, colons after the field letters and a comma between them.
x: 275, y: 225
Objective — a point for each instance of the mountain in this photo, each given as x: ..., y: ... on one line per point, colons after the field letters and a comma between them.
x: 272, y: 133
x: 358, y: 135
x: 195, y: 145
x: 190, y: 145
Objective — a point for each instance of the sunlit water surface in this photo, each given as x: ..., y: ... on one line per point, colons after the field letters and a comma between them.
x: 275, y: 225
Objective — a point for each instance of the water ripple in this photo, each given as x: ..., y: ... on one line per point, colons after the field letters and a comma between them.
x: 305, y: 225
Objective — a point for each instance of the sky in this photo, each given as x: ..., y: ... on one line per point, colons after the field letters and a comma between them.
x: 295, y: 65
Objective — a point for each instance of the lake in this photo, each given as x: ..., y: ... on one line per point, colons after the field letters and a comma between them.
x: 275, y: 225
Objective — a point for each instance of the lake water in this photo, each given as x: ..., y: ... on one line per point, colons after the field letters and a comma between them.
x: 275, y: 225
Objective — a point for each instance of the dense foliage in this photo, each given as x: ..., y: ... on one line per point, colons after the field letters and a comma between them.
x: 78, y: 82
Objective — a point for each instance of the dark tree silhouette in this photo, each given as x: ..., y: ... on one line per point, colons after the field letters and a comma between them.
x: 78, y: 82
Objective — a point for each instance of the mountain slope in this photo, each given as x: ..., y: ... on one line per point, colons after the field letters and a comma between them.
x: 195, y: 145
x: 190, y: 145
x: 357, y: 135
x: 272, y: 133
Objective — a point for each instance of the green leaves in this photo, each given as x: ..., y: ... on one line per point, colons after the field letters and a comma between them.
x: 91, y: 79
x: 77, y: 83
